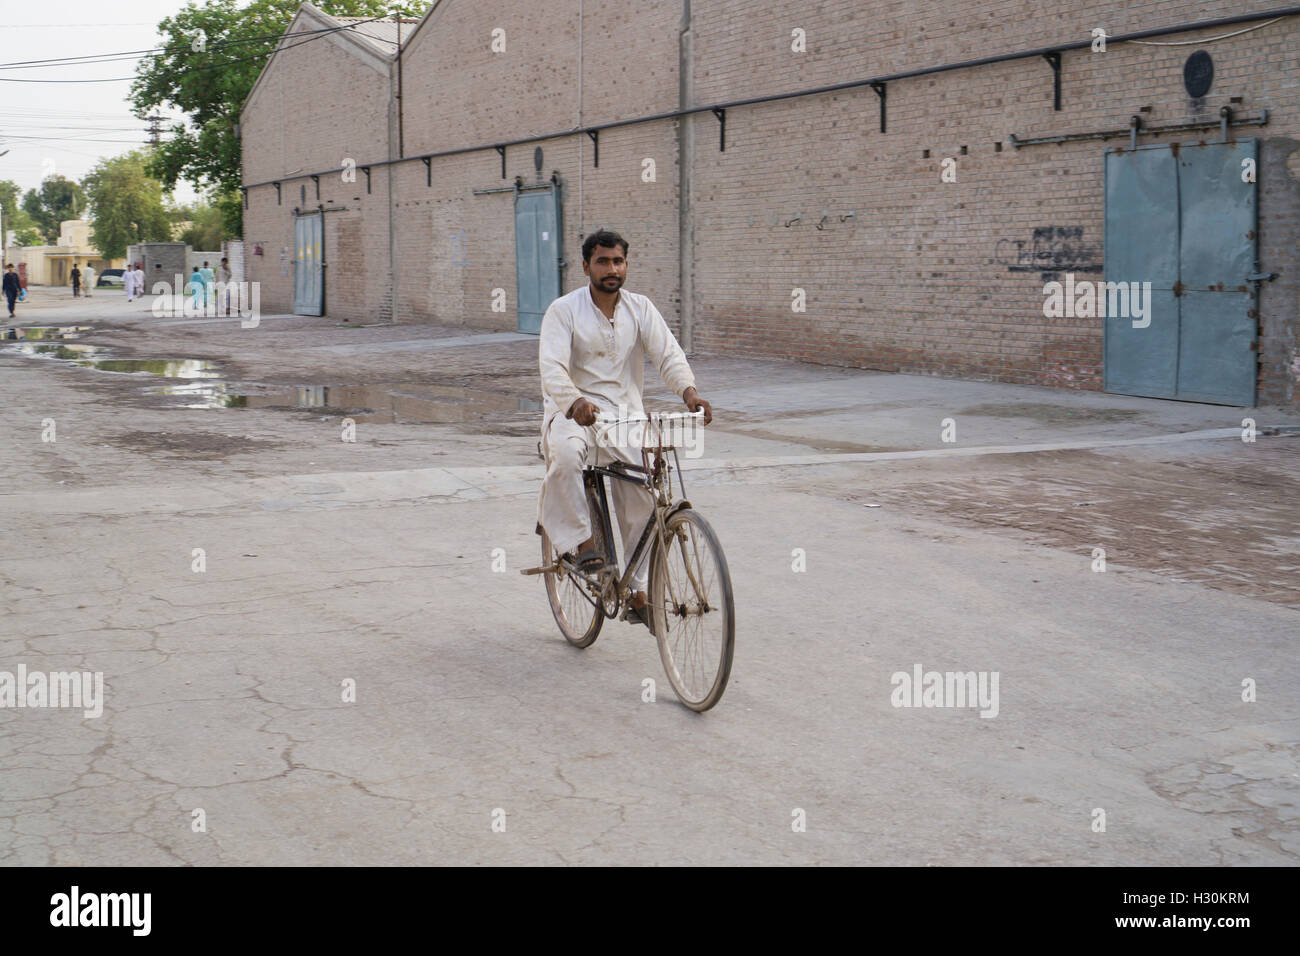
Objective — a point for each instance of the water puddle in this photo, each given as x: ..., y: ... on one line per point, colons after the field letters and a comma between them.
x: 18, y: 333
x: 382, y: 404
x: 93, y: 356
x: 21, y: 333
x: 198, y: 383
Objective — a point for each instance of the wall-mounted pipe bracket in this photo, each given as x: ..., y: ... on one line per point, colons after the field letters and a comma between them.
x: 881, y: 90
x: 1054, y: 57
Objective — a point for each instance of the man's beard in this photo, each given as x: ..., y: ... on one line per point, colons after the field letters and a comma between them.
x: 605, y: 283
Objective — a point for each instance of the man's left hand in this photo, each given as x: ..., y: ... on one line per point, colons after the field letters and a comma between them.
x: 695, y: 403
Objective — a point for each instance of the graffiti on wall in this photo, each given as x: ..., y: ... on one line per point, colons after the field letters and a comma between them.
x: 1052, y: 250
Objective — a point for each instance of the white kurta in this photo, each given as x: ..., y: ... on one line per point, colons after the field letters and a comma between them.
x: 582, y: 354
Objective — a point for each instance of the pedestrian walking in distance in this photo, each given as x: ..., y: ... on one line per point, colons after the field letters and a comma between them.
x: 196, y: 288
x: 206, y: 272
x: 139, y: 279
x: 128, y: 282
x: 76, y: 281
x: 225, y: 277
x: 89, y: 276
x: 11, y: 288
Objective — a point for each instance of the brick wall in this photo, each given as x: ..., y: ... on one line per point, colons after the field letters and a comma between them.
x: 454, y: 248
x: 920, y: 278
x: 900, y: 271
x: 319, y: 104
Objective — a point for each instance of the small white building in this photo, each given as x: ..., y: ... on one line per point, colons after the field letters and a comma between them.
x: 52, y: 265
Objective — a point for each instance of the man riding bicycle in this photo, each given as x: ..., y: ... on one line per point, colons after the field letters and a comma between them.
x: 594, y: 342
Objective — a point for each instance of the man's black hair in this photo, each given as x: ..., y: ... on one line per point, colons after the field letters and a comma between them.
x: 604, y: 238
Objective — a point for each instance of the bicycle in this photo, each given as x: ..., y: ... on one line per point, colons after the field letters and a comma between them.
x: 691, y: 607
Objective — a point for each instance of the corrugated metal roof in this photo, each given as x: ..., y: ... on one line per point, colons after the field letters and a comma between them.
x: 381, y: 34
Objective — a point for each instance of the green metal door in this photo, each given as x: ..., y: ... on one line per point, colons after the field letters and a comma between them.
x: 537, y: 254
x: 308, y: 274
x: 1183, y: 218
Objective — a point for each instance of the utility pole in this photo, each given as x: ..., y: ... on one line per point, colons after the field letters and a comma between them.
x: 4, y: 251
x: 155, y: 130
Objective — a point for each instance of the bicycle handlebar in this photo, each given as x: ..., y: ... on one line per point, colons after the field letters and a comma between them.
x: 657, y: 417
x: 657, y: 422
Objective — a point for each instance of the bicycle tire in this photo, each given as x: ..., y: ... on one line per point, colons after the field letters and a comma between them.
x: 579, y: 620
x: 701, y: 588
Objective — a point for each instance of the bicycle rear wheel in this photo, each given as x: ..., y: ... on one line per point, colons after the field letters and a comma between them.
x: 693, y: 611
x: 579, y: 619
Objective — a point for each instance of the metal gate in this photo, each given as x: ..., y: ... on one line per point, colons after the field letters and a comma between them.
x: 538, y: 253
x: 308, y: 275
x: 1183, y: 218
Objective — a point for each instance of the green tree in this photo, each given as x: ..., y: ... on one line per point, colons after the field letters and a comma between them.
x: 208, y: 66
x: 27, y: 237
x: 59, y: 198
x: 207, y: 230
x: 16, y: 219
x: 126, y: 205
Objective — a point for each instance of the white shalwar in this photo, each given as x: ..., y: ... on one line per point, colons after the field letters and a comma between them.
x: 582, y: 354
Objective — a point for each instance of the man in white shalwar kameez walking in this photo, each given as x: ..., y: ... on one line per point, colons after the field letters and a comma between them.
x: 128, y: 280
x: 594, y: 342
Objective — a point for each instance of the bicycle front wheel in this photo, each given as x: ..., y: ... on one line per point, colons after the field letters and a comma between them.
x: 692, y: 610
x: 579, y: 619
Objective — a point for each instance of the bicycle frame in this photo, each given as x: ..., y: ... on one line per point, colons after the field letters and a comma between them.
x: 660, y: 490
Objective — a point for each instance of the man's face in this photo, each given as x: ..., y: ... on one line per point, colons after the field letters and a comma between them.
x: 607, y: 268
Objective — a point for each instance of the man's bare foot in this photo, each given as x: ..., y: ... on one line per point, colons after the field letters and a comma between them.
x: 639, y: 599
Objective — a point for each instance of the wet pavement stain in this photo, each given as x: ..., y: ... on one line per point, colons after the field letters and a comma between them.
x: 1048, y: 414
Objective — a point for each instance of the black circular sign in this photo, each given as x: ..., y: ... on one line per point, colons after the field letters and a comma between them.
x: 1198, y: 74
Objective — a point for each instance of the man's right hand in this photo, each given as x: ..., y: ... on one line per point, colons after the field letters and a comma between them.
x: 583, y: 412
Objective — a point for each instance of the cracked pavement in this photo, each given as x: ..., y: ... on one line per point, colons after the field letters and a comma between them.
x: 326, y: 562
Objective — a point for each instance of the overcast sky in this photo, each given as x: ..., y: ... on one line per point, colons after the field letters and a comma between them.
x: 68, y: 127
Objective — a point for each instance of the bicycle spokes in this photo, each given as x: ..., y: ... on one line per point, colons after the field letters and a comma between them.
x: 693, y: 611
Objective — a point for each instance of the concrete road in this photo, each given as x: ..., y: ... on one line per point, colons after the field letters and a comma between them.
x: 308, y: 657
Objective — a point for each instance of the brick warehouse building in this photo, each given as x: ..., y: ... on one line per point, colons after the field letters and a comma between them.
x: 908, y: 219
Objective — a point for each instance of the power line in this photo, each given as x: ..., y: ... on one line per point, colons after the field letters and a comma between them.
x: 66, y: 139
x: 90, y: 58
x: 51, y: 26
x: 203, y: 69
